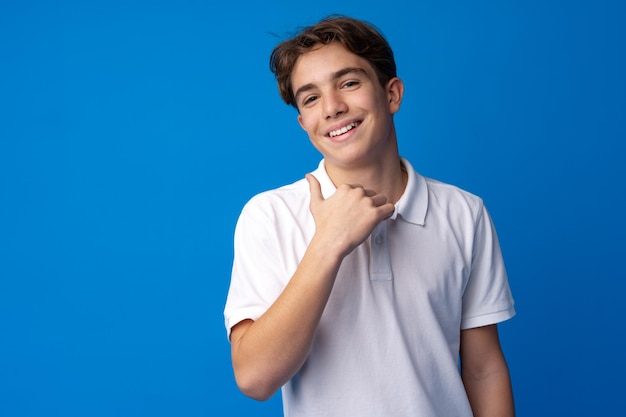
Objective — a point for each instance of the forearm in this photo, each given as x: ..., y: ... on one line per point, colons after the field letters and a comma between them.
x: 490, y: 392
x: 485, y: 373
x: 269, y: 351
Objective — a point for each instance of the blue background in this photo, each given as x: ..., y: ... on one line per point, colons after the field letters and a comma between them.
x: 131, y: 134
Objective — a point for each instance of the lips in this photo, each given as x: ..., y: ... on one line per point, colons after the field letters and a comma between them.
x: 343, y: 130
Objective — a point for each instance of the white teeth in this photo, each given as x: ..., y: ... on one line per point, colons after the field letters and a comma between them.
x: 342, y: 130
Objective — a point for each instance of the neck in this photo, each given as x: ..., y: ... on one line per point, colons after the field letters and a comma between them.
x: 385, y: 177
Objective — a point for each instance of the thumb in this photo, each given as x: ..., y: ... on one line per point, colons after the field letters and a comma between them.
x: 315, y: 187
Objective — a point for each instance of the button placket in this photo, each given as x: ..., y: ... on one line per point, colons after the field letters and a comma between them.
x: 380, y: 262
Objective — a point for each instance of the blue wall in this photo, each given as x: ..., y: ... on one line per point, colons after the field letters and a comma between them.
x: 131, y: 133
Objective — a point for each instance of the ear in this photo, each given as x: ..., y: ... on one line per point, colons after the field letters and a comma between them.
x: 395, y: 92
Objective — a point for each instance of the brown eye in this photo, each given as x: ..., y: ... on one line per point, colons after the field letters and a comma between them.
x: 309, y: 100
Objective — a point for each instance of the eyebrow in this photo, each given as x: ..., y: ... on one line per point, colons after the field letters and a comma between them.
x: 334, y: 76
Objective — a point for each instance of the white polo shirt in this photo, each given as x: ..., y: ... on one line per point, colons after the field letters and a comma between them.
x: 388, y: 341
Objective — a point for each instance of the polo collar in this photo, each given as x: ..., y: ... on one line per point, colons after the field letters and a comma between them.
x: 328, y: 188
x: 412, y: 205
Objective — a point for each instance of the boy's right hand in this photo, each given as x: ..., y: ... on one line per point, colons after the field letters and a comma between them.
x: 346, y: 219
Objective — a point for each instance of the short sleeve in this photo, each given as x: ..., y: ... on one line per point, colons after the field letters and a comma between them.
x: 257, y: 276
x: 487, y: 298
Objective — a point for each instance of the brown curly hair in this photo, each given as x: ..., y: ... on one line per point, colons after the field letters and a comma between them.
x: 357, y: 36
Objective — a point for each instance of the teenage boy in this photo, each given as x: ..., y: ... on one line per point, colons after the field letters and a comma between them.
x: 358, y: 289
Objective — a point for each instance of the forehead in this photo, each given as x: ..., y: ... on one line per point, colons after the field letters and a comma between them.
x: 321, y: 63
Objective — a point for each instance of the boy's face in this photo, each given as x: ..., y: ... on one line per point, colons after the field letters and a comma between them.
x: 342, y: 106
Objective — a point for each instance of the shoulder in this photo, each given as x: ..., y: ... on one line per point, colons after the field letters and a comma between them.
x: 288, y: 198
x: 453, y: 207
x: 445, y: 195
x: 427, y: 200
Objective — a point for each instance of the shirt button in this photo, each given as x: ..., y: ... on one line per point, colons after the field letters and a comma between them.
x: 379, y: 240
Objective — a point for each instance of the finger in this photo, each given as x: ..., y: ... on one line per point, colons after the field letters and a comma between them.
x: 370, y: 193
x: 379, y: 200
x: 315, y: 188
x: 387, y: 209
x: 383, y: 207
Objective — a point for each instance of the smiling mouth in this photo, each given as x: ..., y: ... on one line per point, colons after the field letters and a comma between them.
x: 343, y: 130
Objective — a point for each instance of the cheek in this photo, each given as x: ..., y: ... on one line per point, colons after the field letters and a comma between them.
x: 310, y: 127
x: 306, y: 123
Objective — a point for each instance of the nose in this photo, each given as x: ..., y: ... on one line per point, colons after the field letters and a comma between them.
x: 334, y: 105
